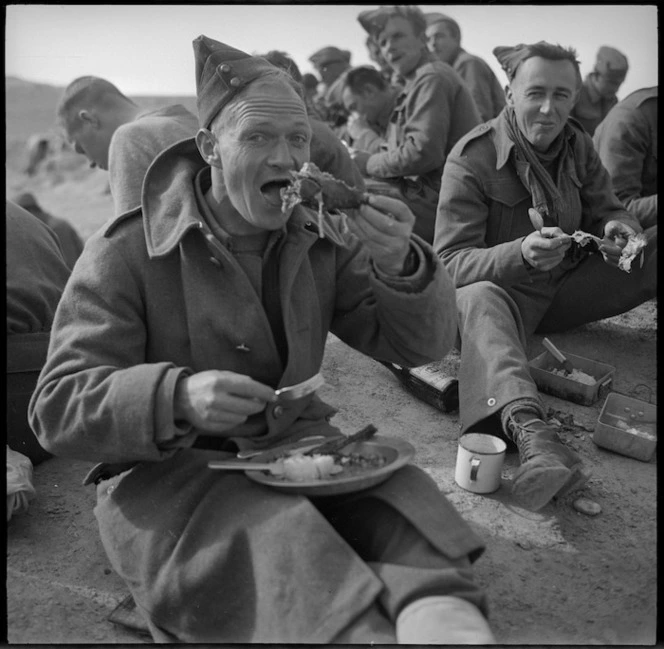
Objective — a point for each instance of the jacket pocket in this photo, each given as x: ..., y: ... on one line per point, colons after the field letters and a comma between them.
x: 508, y: 211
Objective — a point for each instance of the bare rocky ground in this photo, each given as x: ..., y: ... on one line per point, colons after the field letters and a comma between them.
x: 553, y: 577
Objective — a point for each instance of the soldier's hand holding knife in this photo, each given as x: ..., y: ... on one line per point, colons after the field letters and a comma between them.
x: 545, y: 248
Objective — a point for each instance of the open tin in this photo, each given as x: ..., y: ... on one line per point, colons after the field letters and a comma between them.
x: 627, y: 426
x: 541, y: 369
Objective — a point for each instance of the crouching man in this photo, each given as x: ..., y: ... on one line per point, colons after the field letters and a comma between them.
x: 181, y: 320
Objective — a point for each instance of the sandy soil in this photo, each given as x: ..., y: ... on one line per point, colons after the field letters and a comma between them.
x: 553, y: 577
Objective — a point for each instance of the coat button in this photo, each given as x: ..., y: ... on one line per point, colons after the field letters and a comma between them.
x: 278, y: 411
x: 491, y: 402
x: 110, y: 490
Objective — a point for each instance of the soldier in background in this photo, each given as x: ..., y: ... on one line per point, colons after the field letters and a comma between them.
x: 117, y: 135
x: 331, y: 63
x: 626, y: 142
x: 36, y: 275
x: 598, y: 92
x: 433, y: 110
x: 370, y: 100
x: 444, y: 40
x: 71, y: 243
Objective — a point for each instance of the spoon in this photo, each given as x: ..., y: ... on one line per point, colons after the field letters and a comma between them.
x: 536, y: 219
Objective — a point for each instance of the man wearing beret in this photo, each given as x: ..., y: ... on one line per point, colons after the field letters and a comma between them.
x: 598, y: 92
x: 180, y: 321
x: 432, y: 112
x: 444, y: 40
x: 119, y: 136
x: 517, y: 271
x: 626, y: 142
x: 331, y: 63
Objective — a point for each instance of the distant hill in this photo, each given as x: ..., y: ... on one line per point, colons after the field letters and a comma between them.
x: 30, y: 107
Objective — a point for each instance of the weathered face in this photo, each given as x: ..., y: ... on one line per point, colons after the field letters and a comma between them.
x: 400, y: 46
x: 441, y: 42
x: 329, y: 72
x: 91, y: 139
x: 260, y: 139
x: 542, y: 94
x: 607, y: 87
x: 366, y: 103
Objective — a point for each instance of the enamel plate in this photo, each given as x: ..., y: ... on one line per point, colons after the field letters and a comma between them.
x: 397, y: 452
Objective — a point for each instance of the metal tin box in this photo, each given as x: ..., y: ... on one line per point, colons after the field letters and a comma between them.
x: 560, y: 386
x: 627, y: 426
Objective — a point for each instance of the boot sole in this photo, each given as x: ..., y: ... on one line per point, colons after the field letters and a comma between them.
x: 537, y: 486
x: 575, y: 482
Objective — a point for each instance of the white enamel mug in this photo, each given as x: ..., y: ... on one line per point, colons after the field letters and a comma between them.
x: 479, y: 462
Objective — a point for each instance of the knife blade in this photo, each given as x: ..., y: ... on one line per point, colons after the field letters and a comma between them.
x: 337, y: 443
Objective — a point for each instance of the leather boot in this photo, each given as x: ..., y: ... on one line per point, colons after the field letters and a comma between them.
x: 548, y: 468
x: 442, y: 620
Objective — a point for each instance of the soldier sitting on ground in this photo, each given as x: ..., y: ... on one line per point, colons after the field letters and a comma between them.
x: 517, y: 272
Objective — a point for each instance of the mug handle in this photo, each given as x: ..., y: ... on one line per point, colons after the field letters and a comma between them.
x: 474, y: 468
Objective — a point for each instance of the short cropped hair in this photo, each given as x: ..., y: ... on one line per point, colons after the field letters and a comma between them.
x: 365, y: 75
x: 309, y: 81
x: 285, y: 62
x: 554, y: 53
x: 453, y: 28
x: 87, y: 90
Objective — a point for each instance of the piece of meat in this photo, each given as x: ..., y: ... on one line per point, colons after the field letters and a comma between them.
x: 312, y: 186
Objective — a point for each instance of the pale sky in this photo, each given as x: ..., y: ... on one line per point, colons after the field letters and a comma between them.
x: 147, y: 50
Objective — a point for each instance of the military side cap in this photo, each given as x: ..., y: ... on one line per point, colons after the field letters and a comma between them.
x: 611, y: 63
x: 435, y: 17
x: 373, y: 20
x: 510, y: 57
x: 221, y: 72
x: 329, y: 54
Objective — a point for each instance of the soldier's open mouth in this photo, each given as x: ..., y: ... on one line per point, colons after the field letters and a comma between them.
x: 272, y: 191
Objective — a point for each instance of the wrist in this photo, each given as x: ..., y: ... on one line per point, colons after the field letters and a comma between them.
x: 180, y: 409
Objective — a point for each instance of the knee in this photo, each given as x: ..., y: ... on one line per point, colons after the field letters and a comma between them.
x: 481, y: 297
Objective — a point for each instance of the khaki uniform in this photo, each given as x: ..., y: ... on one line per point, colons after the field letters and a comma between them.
x: 433, y: 111
x: 483, y: 84
x: 482, y: 221
x: 626, y: 142
x: 211, y: 556
x: 590, y: 109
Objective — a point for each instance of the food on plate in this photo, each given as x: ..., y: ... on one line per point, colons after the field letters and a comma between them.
x: 320, y: 189
x: 299, y: 467
x: 575, y: 375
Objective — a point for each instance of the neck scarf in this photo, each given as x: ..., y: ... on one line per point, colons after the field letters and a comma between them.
x: 549, y: 197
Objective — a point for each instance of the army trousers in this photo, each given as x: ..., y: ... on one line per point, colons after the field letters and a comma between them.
x: 494, y: 323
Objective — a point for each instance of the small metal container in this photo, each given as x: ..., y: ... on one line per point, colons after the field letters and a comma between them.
x: 627, y: 426
x: 560, y: 386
